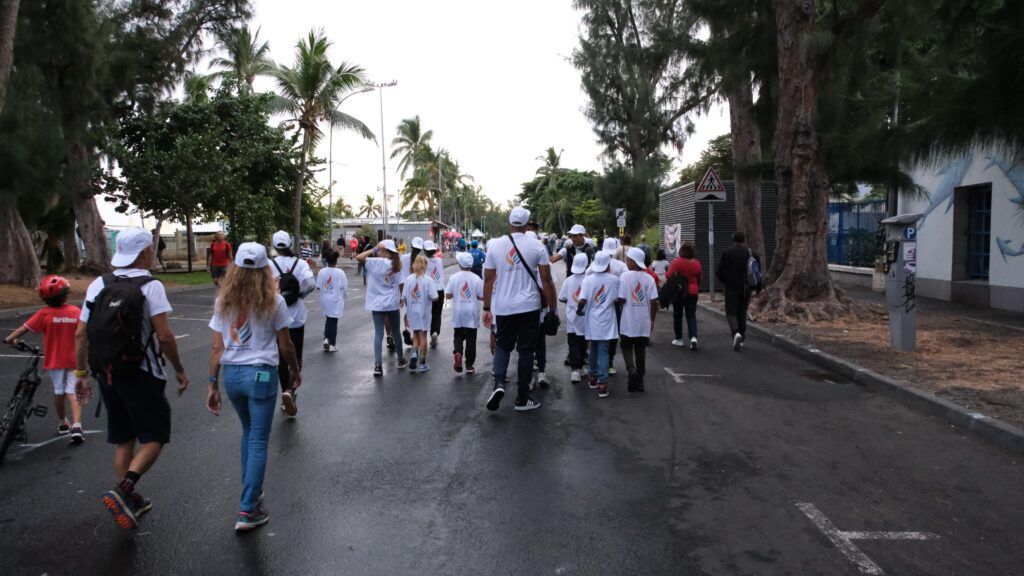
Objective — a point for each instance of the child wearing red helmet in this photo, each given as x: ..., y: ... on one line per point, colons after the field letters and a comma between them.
x: 57, y: 323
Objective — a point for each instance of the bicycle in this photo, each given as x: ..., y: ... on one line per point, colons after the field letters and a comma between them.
x: 19, y: 407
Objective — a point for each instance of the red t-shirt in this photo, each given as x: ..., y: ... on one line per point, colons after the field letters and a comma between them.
x: 689, y: 269
x: 58, y: 326
x: 221, y: 252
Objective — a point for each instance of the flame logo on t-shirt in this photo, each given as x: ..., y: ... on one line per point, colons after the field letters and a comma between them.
x: 416, y: 294
x: 240, y: 331
x: 467, y: 295
x: 638, y: 294
x: 576, y: 295
x: 435, y: 273
x: 389, y: 278
x: 513, y: 257
x: 601, y: 297
x: 329, y: 283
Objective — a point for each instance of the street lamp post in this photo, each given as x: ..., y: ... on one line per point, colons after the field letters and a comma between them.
x: 383, y: 159
x: 330, y: 169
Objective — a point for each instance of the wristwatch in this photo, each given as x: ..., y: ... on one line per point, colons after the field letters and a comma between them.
x: 213, y: 379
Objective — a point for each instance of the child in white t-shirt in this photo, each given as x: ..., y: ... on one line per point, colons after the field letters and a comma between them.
x: 332, y: 284
x: 418, y: 294
x: 597, y: 305
x: 575, y: 326
x: 466, y: 290
x: 638, y: 296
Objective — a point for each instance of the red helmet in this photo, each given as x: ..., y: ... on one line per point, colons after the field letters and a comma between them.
x: 53, y: 286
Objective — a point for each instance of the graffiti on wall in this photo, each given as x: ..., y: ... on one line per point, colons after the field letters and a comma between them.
x: 1015, y: 174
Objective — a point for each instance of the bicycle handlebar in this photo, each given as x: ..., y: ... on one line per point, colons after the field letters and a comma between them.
x: 21, y: 346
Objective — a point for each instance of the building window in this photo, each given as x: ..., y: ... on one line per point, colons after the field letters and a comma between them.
x: 979, y: 229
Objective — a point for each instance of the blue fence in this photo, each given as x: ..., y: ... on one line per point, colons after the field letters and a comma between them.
x: 852, y: 232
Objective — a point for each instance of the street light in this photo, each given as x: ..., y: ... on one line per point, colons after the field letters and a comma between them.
x: 380, y: 86
x: 330, y: 168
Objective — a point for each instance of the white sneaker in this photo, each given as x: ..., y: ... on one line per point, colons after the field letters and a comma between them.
x: 433, y: 340
x: 574, y: 377
x: 678, y: 343
x: 326, y: 344
x: 693, y: 344
x: 331, y: 348
x: 737, y: 342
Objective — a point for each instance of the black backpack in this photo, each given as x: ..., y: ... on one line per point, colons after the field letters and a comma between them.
x: 288, y: 283
x: 115, y: 325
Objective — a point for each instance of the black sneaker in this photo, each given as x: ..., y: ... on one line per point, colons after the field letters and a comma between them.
x: 407, y: 337
x: 63, y: 428
x: 140, y: 504
x: 402, y: 363
x: 251, y: 520
x: 122, y: 507
x: 391, y: 343
x: 413, y: 362
x: 527, y: 405
x: 377, y: 370
x: 77, y: 434
x: 495, y: 400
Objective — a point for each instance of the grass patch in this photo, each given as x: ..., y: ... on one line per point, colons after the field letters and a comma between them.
x: 184, y: 278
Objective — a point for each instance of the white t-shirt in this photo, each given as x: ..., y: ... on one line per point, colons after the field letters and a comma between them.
x: 514, y: 290
x: 332, y: 284
x: 435, y: 269
x: 304, y: 274
x: 406, y: 264
x: 600, y: 291
x: 570, y: 293
x: 419, y: 293
x: 382, y: 285
x: 467, y: 289
x: 156, y: 303
x: 660, y: 267
x: 638, y: 290
x: 249, y: 341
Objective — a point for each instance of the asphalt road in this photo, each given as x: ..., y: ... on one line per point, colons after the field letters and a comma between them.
x: 409, y: 474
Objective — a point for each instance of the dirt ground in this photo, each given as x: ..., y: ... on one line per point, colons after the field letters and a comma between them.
x: 975, y: 364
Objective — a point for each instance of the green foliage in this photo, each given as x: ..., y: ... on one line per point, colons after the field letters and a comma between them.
x: 636, y: 190
x: 717, y: 155
x: 593, y: 214
x: 555, y: 192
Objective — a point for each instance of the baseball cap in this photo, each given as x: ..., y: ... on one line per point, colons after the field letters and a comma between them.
x: 519, y: 216
x: 577, y: 229
x: 600, y: 262
x: 579, y: 263
x: 390, y: 246
x: 465, y: 260
x: 417, y: 243
x: 610, y: 245
x: 429, y: 246
x: 637, y: 255
x: 251, y: 255
x: 130, y: 243
x: 282, y: 239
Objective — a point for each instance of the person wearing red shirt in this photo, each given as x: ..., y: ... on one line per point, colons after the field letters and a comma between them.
x: 218, y: 256
x: 57, y: 323
x: 687, y: 267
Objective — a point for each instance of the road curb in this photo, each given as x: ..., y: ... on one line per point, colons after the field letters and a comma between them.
x: 996, y: 431
x: 14, y: 313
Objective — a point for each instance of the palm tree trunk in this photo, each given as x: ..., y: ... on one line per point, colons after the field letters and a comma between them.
x: 8, y: 24
x: 300, y: 183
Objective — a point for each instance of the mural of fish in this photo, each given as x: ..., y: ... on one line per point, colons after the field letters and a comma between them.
x: 954, y: 173
x: 1014, y: 173
x: 1005, y: 249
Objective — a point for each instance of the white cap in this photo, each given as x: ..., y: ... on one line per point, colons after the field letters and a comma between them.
x: 610, y: 245
x: 428, y: 246
x: 637, y: 255
x: 417, y: 243
x: 600, y: 262
x: 282, y: 239
x: 579, y: 263
x: 588, y: 241
x: 465, y: 259
x: 390, y: 246
x: 130, y: 243
x: 251, y: 255
x: 577, y: 229
x: 519, y: 216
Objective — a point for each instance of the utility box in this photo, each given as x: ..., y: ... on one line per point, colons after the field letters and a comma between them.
x: 900, y: 267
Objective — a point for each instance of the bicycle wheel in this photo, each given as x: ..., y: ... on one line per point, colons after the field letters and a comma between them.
x: 13, y: 422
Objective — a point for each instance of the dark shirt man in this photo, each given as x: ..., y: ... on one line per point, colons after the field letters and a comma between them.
x: 732, y: 273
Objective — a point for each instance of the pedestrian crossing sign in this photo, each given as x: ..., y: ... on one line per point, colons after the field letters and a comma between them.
x: 711, y: 188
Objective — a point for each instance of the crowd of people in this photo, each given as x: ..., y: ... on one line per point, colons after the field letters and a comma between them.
x: 121, y: 338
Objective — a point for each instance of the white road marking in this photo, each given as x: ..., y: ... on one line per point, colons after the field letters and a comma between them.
x: 844, y: 540
x: 25, y: 356
x: 30, y: 447
x: 679, y: 378
x: 180, y: 336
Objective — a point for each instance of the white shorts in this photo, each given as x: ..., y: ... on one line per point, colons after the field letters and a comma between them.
x: 63, y: 380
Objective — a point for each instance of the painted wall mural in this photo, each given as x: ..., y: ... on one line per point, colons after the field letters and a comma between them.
x: 1015, y: 174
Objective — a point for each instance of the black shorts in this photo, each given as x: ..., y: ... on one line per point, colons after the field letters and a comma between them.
x: 218, y: 271
x: 137, y: 408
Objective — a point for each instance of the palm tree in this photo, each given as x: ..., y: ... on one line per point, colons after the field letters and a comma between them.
x: 409, y: 142
x: 552, y: 205
x: 246, y: 58
x: 342, y: 209
x: 311, y: 92
x: 370, y: 208
x: 197, y: 88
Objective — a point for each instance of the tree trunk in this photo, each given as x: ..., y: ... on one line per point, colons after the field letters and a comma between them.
x: 71, y: 255
x: 87, y: 214
x: 800, y: 287
x: 8, y: 25
x: 188, y: 241
x: 18, y: 261
x: 746, y: 155
x: 300, y: 183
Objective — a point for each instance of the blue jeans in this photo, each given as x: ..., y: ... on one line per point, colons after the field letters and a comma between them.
x: 599, y: 359
x: 378, y: 333
x: 254, y: 402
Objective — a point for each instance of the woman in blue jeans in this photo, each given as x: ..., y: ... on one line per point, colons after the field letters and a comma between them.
x: 383, y: 267
x: 250, y: 325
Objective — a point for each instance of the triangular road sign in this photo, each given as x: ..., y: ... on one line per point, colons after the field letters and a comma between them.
x: 710, y: 188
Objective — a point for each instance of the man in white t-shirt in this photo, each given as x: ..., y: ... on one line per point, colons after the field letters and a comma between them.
x: 517, y: 299
x: 287, y: 263
x: 332, y: 284
x: 576, y: 244
x: 574, y: 325
x: 638, y: 299
x: 137, y: 409
x: 597, y: 304
x: 465, y: 289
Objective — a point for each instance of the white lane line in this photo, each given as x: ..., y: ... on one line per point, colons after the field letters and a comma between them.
x: 30, y: 447
x: 844, y: 540
x: 180, y: 336
x: 679, y: 378
x: 25, y: 356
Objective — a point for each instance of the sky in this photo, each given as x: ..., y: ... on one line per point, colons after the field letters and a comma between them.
x: 496, y: 86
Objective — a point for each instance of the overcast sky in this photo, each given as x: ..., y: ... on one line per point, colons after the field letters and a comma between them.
x: 495, y: 85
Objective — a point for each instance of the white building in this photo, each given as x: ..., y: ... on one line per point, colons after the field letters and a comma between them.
x: 970, y: 242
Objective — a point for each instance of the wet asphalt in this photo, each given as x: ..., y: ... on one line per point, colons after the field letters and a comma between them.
x: 410, y: 474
